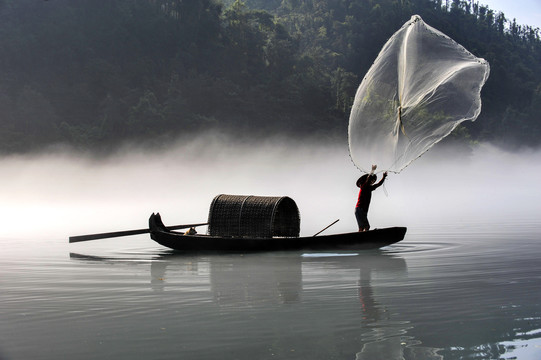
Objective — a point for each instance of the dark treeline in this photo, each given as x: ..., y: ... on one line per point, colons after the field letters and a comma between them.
x: 93, y: 73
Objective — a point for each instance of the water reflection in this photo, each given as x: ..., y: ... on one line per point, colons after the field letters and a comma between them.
x: 250, y: 280
x: 370, y: 305
x: 324, y: 286
x: 255, y: 281
x: 235, y: 280
x: 385, y: 338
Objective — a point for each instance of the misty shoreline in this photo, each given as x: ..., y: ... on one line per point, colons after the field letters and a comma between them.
x: 64, y: 193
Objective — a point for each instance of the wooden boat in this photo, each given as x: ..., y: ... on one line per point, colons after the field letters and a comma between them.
x: 240, y: 223
x: 372, y: 239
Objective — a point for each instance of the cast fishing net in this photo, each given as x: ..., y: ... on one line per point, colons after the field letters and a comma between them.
x: 421, y: 86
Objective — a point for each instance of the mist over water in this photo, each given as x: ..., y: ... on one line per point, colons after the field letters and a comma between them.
x: 58, y: 194
x: 464, y: 283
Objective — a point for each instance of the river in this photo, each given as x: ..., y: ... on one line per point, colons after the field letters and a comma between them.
x: 464, y: 283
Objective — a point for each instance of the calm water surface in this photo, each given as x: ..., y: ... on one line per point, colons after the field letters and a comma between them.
x: 472, y: 292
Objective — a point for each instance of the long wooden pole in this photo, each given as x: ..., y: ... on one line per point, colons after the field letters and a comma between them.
x: 337, y: 220
x: 78, y: 238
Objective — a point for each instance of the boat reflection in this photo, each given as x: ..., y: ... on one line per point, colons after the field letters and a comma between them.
x: 266, y: 281
x: 370, y: 305
x: 257, y: 280
x: 235, y: 280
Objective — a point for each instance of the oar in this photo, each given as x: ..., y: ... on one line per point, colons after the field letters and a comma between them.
x: 327, y: 227
x: 78, y: 238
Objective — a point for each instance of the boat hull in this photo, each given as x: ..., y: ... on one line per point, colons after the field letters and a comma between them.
x: 373, y: 239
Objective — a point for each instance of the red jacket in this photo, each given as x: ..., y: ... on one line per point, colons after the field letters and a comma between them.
x: 365, y: 194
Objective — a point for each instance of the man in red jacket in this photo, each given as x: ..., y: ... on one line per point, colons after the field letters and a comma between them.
x: 366, y: 183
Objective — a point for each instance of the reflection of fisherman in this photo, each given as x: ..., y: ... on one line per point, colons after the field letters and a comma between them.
x: 366, y: 185
x: 371, y: 310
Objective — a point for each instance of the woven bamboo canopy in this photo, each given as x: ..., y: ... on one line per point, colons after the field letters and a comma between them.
x: 253, y: 216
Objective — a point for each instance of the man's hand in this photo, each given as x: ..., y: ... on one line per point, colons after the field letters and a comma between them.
x: 374, y: 167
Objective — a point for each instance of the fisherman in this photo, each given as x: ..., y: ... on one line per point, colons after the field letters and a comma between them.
x: 366, y: 183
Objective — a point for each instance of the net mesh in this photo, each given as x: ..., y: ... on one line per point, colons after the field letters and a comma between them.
x: 421, y: 86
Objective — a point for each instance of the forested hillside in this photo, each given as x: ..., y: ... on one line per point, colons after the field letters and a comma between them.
x: 94, y: 73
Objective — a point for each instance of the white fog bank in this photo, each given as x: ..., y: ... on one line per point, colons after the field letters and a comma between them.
x: 57, y: 195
